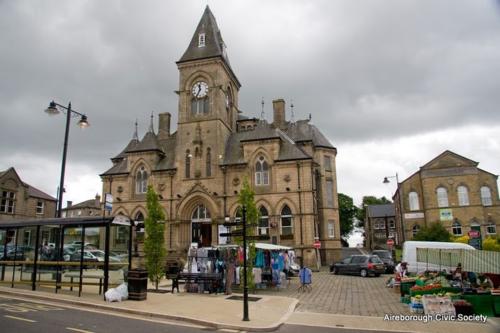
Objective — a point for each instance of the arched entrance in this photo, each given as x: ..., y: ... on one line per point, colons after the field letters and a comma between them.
x: 201, y: 226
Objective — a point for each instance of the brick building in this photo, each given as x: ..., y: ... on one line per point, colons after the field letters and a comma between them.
x: 199, y: 169
x: 22, y: 201
x: 452, y: 190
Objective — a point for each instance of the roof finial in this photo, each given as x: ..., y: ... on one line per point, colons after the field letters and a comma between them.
x: 151, y: 128
x: 262, y: 114
x: 310, y: 117
x: 136, y: 134
x: 292, y: 118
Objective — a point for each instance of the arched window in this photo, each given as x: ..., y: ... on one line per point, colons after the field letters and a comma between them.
x: 442, y: 197
x: 200, y: 106
x: 456, y: 228
x: 188, y: 164
x: 263, y: 228
x: 413, y: 198
x: 209, y: 163
x: 415, y: 229
x: 486, y: 196
x: 463, y: 196
x: 286, y: 221
x: 201, y: 214
x: 141, y: 181
x: 261, y: 172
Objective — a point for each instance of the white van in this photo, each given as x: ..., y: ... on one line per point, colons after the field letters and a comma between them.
x: 410, y: 254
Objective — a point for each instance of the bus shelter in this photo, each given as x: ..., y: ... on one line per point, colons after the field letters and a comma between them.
x: 66, y: 254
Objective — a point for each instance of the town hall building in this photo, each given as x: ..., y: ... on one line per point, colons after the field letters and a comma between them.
x: 199, y: 169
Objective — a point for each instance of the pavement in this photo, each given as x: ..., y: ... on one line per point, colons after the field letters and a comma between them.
x: 335, y: 302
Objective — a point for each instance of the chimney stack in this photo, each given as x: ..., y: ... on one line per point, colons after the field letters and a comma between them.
x: 164, y: 125
x: 69, y: 204
x: 279, y: 113
x: 97, y: 200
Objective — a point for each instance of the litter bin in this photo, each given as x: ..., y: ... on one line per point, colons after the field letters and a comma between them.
x: 137, y: 284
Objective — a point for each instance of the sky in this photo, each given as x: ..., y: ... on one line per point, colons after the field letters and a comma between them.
x: 391, y: 83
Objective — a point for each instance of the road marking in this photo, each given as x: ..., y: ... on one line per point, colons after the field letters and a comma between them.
x: 19, y: 318
x: 78, y: 330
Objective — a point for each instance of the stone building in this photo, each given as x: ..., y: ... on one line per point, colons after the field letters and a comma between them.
x: 452, y: 190
x: 22, y: 201
x: 199, y: 169
x: 91, y: 207
x: 380, y: 225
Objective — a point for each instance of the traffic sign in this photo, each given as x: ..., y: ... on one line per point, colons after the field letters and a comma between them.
x: 390, y: 242
x: 474, y: 234
x: 317, y: 244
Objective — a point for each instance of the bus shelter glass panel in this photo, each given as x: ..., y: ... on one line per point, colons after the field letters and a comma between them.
x: 49, y: 266
x: 119, y: 244
x: 70, y: 272
x: 5, y: 268
x: 26, y: 241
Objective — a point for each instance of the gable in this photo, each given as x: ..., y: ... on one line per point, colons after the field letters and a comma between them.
x: 10, y: 179
x: 449, y: 159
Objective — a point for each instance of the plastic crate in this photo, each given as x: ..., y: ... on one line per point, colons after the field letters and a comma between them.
x: 425, y: 292
x: 405, y: 287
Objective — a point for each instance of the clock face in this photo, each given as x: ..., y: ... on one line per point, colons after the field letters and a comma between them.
x: 200, y: 89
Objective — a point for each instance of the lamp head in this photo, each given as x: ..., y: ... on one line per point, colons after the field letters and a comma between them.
x: 386, y: 181
x: 52, y: 109
x: 83, y: 123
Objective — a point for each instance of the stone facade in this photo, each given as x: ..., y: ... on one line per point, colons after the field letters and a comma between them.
x: 452, y: 190
x: 19, y: 200
x: 199, y: 170
x: 91, y: 207
x: 380, y: 225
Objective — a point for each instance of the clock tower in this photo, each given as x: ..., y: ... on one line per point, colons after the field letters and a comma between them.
x: 208, y: 102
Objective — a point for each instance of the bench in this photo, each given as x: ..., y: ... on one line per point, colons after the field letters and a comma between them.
x: 86, y: 275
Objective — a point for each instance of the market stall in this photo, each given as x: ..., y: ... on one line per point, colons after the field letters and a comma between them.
x: 466, y: 280
x: 218, y: 269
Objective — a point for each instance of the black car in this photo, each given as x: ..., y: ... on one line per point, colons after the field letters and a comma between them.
x: 386, y: 257
x: 363, y: 265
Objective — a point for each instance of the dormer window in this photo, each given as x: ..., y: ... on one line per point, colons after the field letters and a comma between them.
x: 201, y: 40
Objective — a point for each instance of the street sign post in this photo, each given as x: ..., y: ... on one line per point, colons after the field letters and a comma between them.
x: 390, y: 243
x: 317, y: 244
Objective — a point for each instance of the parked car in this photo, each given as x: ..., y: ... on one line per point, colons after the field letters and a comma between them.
x: 99, y: 254
x: 386, y: 257
x: 363, y: 265
x: 12, y: 253
x: 87, y: 256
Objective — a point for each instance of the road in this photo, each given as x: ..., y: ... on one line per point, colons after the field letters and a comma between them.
x: 30, y: 317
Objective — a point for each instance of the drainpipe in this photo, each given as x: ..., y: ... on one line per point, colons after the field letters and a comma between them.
x: 299, y: 192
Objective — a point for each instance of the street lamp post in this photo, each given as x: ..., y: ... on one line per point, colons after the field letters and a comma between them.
x: 53, y: 109
x: 400, y: 203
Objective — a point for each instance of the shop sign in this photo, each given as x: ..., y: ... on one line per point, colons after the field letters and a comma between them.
x: 410, y: 216
x: 445, y: 215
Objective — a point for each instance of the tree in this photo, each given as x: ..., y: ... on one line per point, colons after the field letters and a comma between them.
x: 369, y: 200
x: 491, y: 243
x: 347, y: 212
x: 435, y: 232
x: 154, y: 243
x: 246, y: 199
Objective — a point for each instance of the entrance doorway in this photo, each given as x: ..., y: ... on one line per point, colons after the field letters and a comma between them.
x: 201, y: 226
